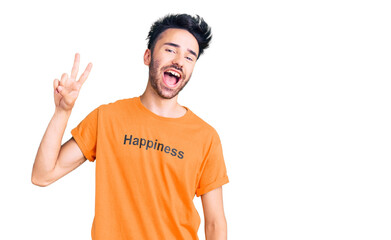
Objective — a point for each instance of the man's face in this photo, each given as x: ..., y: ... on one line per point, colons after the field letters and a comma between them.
x: 172, y: 61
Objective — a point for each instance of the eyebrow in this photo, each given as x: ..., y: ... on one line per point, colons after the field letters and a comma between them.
x: 177, y: 46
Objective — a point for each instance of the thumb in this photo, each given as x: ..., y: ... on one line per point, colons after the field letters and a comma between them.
x: 61, y: 90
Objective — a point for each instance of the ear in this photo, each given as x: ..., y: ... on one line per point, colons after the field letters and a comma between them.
x: 147, y: 57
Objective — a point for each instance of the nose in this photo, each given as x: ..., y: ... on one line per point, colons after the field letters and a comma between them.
x: 178, y: 60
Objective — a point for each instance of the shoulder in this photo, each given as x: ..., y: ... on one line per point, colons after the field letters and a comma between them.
x: 204, y: 127
x: 117, y: 103
x: 117, y: 106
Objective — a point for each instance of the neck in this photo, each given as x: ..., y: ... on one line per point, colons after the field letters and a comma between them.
x: 160, y: 106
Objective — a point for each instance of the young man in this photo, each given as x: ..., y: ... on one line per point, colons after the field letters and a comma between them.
x: 152, y: 154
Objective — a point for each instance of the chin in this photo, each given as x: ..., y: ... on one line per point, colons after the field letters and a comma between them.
x: 166, y: 93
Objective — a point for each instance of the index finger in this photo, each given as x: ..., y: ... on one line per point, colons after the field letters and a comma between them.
x: 85, y: 74
x: 75, y: 68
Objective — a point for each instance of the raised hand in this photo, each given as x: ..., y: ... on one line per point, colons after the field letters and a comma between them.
x: 67, y: 90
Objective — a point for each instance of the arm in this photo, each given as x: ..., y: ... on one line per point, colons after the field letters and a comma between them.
x: 215, y: 223
x: 53, y: 161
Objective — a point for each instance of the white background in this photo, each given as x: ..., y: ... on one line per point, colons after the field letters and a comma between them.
x: 299, y: 92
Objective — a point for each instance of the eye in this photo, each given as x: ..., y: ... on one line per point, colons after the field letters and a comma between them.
x: 170, y: 50
x: 190, y: 59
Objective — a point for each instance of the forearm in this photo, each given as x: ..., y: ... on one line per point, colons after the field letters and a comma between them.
x: 217, y: 231
x: 50, y: 146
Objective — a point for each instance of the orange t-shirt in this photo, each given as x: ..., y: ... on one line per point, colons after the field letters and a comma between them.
x: 148, y: 170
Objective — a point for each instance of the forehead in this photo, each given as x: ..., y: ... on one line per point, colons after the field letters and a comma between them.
x: 181, y: 37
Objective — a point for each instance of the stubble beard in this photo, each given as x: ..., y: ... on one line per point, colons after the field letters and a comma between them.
x: 162, y: 90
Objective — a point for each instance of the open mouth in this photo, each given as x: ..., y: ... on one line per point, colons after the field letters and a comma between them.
x: 171, y: 78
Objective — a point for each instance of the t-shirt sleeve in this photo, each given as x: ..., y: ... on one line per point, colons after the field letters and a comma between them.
x: 85, y: 135
x: 213, y: 169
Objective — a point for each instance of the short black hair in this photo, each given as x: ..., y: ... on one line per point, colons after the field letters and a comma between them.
x: 195, y: 25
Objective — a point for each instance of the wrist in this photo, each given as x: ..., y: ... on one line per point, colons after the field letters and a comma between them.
x: 62, y: 112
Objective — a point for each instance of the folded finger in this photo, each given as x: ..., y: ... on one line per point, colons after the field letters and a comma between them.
x: 56, y: 82
x: 64, y: 78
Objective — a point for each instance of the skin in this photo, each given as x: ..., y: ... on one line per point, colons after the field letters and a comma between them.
x: 176, y: 50
x: 161, y: 99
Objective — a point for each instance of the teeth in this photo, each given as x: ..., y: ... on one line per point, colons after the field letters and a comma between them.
x: 175, y: 74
